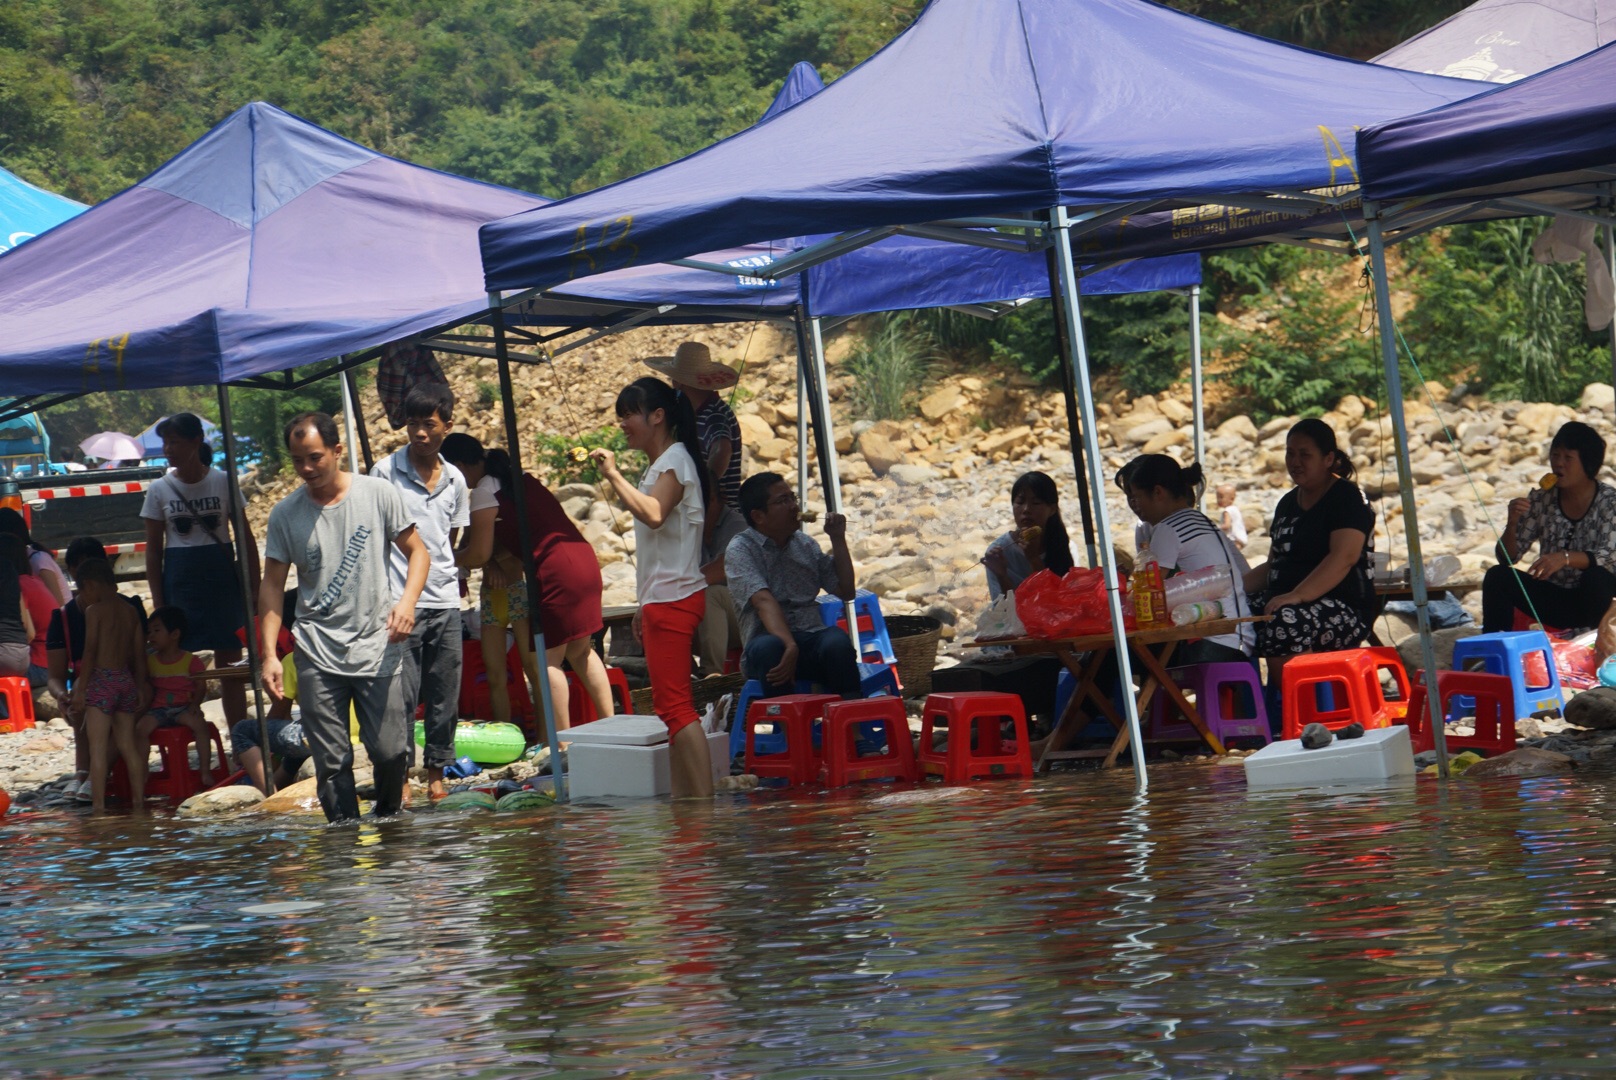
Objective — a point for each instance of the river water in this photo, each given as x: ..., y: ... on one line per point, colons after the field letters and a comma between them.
x: 1062, y: 927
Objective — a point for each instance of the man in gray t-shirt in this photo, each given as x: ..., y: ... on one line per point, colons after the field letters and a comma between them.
x: 350, y: 636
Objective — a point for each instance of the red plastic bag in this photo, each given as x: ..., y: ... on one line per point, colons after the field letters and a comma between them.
x: 1578, y: 665
x: 1053, y: 607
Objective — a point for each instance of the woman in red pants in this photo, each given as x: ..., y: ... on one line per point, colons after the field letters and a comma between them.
x: 668, y: 519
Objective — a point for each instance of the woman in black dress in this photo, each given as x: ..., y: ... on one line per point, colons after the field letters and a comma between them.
x: 1316, y: 583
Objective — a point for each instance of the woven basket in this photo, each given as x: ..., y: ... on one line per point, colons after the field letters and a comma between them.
x: 704, y: 691
x: 914, y: 643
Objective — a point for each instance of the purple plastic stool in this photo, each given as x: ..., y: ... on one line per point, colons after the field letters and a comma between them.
x: 1215, y: 688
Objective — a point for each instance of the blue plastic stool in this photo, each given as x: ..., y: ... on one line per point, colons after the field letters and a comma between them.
x: 1505, y: 654
x: 876, y: 680
x: 874, y: 641
x: 767, y: 744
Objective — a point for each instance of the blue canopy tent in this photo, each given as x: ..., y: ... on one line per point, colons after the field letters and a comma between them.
x: 892, y: 274
x: 1543, y: 145
x: 1048, y: 121
x: 26, y: 210
x: 1503, y: 41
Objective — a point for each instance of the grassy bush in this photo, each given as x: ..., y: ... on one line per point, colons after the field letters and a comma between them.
x: 560, y: 466
x: 889, y: 366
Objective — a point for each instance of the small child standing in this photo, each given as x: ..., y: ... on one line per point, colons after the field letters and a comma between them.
x: 1230, y: 520
x: 113, y: 690
x: 174, y: 691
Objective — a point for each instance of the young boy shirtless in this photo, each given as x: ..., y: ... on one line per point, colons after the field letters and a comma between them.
x: 112, y: 689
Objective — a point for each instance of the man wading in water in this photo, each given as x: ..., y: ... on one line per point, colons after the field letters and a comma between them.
x: 350, y: 647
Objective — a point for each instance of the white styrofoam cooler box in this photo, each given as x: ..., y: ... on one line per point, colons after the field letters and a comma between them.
x: 1379, y: 754
x: 627, y: 756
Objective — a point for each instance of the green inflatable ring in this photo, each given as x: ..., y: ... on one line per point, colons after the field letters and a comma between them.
x: 486, y: 744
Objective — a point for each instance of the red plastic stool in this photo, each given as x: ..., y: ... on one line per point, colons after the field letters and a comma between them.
x: 843, y: 765
x: 581, y: 709
x: 1353, y: 676
x: 475, y: 700
x: 174, y: 778
x: 793, y: 715
x: 18, y: 698
x: 1494, y: 697
x: 974, y: 718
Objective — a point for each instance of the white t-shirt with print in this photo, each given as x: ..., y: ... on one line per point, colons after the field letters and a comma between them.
x: 195, y: 515
x: 668, y: 560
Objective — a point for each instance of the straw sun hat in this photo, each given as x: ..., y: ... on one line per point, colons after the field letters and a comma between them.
x: 693, y: 365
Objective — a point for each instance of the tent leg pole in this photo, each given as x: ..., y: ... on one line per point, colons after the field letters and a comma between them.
x: 811, y: 374
x: 1196, y: 380
x: 1610, y: 263
x: 238, y: 525
x: 1405, y: 476
x: 1078, y: 360
x: 353, y: 427
x: 524, y: 534
x: 1074, y: 430
x: 350, y: 402
x: 802, y: 433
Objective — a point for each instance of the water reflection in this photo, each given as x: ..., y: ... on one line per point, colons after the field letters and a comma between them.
x: 1062, y: 927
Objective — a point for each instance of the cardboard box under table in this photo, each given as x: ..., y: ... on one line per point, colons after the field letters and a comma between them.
x: 627, y: 757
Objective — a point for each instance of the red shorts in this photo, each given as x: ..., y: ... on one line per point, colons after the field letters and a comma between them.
x: 668, y: 632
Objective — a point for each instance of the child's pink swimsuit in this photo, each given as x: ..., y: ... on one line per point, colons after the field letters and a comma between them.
x: 112, y: 690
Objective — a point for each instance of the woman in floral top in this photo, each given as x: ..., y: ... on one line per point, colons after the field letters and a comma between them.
x: 1574, y: 525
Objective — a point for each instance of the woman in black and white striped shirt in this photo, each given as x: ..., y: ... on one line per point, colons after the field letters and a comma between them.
x: 1182, y: 539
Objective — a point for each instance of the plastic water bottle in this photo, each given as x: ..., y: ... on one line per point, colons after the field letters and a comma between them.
x: 1198, y: 611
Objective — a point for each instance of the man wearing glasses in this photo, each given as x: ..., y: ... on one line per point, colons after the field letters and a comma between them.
x: 776, y: 572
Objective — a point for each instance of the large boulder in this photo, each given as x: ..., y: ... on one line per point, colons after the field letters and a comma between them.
x: 754, y: 429
x: 298, y: 798
x: 1527, y: 761
x: 879, y: 452
x: 939, y: 403
x: 225, y: 800
x: 1598, y: 396
x: 1239, y: 427
x: 911, y: 475
x: 1595, y: 708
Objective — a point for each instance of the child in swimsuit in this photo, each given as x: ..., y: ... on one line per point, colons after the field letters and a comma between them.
x: 115, y: 691
x: 175, y: 697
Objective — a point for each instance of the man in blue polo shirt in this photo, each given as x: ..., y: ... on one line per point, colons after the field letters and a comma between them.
x: 436, y: 499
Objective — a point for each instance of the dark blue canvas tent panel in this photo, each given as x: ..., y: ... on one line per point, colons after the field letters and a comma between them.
x: 1550, y: 130
x: 896, y: 274
x: 26, y: 210
x: 989, y: 107
x: 1504, y: 41
x: 267, y: 243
